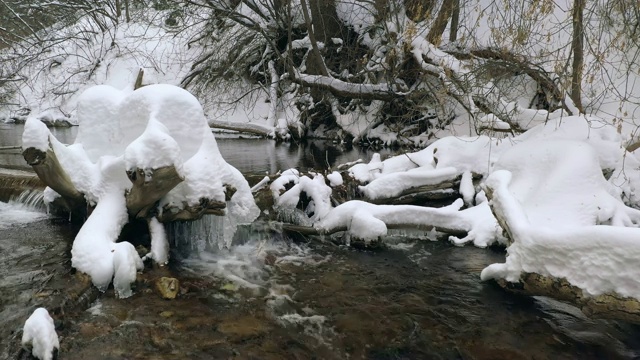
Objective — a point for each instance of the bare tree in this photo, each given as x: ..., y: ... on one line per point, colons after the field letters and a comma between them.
x: 577, y: 44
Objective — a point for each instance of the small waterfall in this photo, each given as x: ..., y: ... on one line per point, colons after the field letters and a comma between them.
x: 13, y: 183
x: 195, y: 237
x: 201, y: 249
x: 32, y: 199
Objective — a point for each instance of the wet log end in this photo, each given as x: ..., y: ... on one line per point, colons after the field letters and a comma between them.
x: 34, y: 156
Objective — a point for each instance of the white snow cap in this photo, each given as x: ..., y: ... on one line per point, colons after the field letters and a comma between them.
x: 40, y: 333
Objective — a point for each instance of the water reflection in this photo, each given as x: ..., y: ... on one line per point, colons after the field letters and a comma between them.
x: 247, y: 155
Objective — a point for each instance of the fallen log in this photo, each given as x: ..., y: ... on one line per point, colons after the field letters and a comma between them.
x: 447, y: 189
x: 47, y: 166
x: 609, y: 306
x: 248, y: 128
x: 310, y: 230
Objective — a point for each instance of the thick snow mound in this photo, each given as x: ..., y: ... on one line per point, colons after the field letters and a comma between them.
x: 111, y: 119
x: 126, y: 264
x: 40, y: 333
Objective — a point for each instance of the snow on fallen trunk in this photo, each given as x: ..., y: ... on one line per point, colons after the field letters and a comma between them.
x: 152, y: 146
x: 39, y: 333
x: 551, y: 197
x: 316, y: 189
x: 394, y: 184
x: 368, y: 222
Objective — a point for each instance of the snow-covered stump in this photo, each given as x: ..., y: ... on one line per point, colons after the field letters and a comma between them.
x: 146, y: 154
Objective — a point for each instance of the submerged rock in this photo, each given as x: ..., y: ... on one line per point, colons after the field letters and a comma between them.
x: 168, y: 287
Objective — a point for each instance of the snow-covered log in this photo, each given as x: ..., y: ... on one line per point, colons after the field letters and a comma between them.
x: 564, y: 220
x: 304, y: 203
x: 249, y: 128
x: 192, y: 212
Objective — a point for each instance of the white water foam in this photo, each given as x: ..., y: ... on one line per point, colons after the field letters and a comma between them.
x: 252, y: 263
x: 15, y: 214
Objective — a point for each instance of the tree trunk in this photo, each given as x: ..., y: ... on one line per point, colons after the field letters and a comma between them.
x: 455, y: 19
x: 325, y: 20
x: 440, y: 23
x: 126, y: 11
x: 419, y: 10
x: 315, y: 59
x: 118, y: 9
x: 577, y: 47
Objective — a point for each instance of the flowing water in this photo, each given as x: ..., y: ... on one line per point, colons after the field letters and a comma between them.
x: 269, y: 297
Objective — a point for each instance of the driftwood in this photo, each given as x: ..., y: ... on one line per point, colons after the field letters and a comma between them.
x: 48, y: 168
x: 421, y: 194
x: 149, y: 186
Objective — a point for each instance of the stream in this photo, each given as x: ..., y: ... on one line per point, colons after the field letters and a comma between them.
x: 269, y: 297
